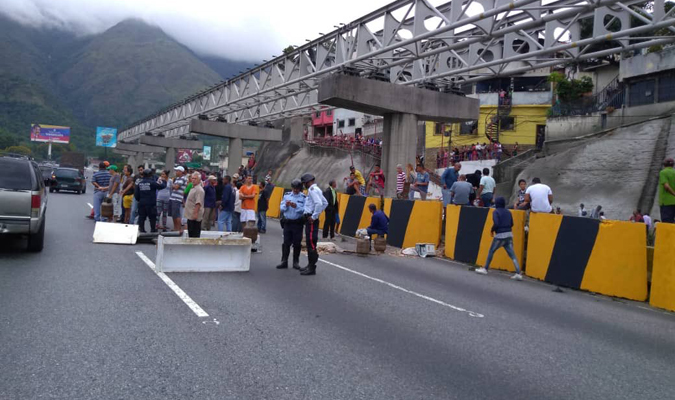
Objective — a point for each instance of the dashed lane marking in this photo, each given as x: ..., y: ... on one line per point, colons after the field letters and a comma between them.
x: 90, y: 206
x: 391, y: 285
x: 176, y: 289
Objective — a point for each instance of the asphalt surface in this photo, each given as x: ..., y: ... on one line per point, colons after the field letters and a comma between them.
x: 85, y: 321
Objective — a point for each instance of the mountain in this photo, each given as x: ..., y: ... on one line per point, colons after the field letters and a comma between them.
x: 109, y: 79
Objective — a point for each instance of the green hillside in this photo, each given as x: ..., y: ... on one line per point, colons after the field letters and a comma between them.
x: 109, y: 79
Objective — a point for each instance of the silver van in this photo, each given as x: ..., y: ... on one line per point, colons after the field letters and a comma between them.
x: 23, y: 200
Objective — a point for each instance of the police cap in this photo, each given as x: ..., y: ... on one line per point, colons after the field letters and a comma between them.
x: 307, y: 178
x: 147, y: 172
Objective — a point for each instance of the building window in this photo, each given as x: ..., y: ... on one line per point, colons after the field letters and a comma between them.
x: 666, y: 88
x: 351, y: 122
x: 317, y: 114
x: 641, y: 93
x: 468, y: 128
x: 531, y: 84
x: 438, y: 129
x: 329, y: 112
x: 507, y: 123
x: 341, y: 123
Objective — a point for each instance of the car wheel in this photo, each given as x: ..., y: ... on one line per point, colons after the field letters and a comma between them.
x: 79, y: 191
x: 51, y: 190
x: 36, y: 241
x: 84, y: 190
x: 57, y: 190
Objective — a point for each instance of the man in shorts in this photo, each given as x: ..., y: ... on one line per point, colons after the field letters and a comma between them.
x: 176, y: 199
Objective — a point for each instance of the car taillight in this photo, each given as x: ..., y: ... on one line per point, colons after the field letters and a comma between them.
x: 35, y: 201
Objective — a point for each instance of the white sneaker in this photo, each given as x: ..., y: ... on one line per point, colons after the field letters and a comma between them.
x: 517, y: 277
x: 481, y: 271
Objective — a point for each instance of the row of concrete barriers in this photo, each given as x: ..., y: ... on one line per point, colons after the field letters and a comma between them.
x: 606, y: 257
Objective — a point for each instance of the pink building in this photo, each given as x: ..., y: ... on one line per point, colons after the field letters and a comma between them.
x: 322, y: 123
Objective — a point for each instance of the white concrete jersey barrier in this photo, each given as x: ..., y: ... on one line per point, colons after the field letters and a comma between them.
x: 213, y: 252
x: 107, y: 232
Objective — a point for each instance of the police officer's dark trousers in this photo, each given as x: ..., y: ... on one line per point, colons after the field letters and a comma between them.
x: 292, y: 236
x: 147, y: 211
x: 312, y: 238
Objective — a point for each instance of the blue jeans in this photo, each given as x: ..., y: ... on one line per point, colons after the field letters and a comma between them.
x: 486, y: 198
x: 262, y: 221
x: 134, y: 212
x: 507, y: 244
x: 225, y: 221
x: 98, y: 200
x: 377, y: 232
x: 447, y: 197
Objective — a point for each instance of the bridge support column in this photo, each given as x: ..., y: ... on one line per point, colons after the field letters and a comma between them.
x: 234, y: 155
x: 399, y: 145
x: 170, y: 160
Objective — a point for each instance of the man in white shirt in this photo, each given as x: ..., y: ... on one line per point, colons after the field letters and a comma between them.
x: 539, y: 196
x: 314, y: 205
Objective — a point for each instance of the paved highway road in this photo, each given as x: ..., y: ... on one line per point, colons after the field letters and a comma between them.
x: 85, y: 321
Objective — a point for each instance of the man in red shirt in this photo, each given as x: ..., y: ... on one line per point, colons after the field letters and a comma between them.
x: 376, y: 181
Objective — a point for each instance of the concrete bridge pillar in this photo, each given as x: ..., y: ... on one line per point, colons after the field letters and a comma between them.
x: 235, y: 153
x: 170, y: 158
x: 399, y: 145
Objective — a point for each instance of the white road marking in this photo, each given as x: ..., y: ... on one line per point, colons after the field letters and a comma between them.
x: 90, y: 206
x: 176, y: 289
x: 431, y: 299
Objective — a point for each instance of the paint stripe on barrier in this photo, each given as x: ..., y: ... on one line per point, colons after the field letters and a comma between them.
x: 607, y: 257
x: 468, y: 236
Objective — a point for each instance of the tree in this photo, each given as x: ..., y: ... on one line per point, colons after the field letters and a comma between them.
x: 569, y: 90
x: 23, y: 150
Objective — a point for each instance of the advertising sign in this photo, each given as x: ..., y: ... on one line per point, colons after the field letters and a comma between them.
x: 49, y: 133
x: 106, y: 137
x: 184, y: 156
x: 206, y: 154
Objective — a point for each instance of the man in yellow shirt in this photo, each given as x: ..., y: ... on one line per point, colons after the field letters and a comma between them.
x: 359, y: 177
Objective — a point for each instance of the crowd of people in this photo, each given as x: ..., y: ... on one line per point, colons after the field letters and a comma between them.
x: 189, y: 198
x: 473, y: 152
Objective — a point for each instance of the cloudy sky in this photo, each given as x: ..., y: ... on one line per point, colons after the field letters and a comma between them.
x: 245, y: 30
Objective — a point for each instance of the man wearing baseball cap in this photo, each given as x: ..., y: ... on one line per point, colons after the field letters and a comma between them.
x: 667, y: 191
x: 176, y: 199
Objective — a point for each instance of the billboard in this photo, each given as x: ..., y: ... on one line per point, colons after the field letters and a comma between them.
x: 49, y: 133
x: 206, y: 154
x: 184, y: 156
x: 106, y: 137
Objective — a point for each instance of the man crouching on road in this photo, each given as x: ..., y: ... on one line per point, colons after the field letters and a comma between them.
x: 194, y: 206
x: 292, y: 209
x: 314, y: 206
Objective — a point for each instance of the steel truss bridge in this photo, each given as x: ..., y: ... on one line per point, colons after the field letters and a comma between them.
x: 412, y: 42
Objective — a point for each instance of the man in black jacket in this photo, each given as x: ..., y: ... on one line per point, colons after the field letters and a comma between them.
x: 145, y: 193
x: 332, y: 197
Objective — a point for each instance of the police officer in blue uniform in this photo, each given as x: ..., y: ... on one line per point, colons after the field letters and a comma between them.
x: 145, y: 193
x: 292, y: 210
x: 314, y: 206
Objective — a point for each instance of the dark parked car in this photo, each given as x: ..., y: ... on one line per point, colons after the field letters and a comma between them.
x: 68, y: 179
x: 23, y: 201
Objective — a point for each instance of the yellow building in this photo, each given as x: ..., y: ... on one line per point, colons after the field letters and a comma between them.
x: 521, y: 125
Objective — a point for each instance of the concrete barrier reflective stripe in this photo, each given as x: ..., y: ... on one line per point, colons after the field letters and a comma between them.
x: 356, y: 214
x: 468, y: 238
x: 412, y: 222
x: 663, y: 274
x: 273, y: 210
x: 608, y: 257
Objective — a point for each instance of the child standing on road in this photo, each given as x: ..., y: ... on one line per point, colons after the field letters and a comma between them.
x: 503, y: 237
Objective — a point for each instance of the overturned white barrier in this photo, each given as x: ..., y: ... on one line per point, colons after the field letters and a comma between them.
x: 213, y: 252
x: 108, y: 232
